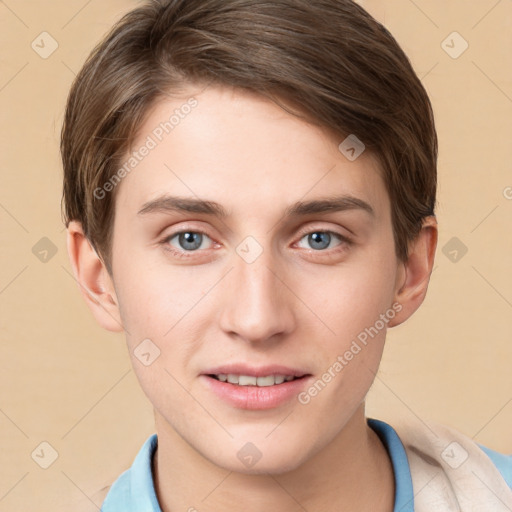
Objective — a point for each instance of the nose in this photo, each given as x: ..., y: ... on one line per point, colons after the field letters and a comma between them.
x: 257, y: 305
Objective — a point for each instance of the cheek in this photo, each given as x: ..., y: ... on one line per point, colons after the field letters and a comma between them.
x: 163, y: 305
x: 153, y: 299
x: 358, y: 305
x: 355, y: 297
x: 156, y: 306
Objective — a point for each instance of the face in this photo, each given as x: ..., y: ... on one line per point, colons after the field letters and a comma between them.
x: 228, y: 258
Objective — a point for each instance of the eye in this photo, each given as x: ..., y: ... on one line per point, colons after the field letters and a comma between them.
x: 321, y: 240
x: 187, y: 241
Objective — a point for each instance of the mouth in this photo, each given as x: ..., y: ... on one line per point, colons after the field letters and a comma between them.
x: 245, y: 387
x: 251, y: 380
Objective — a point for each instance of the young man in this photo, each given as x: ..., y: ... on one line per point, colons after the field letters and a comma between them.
x: 249, y: 194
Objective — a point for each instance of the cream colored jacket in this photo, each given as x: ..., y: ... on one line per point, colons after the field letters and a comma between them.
x: 450, y: 472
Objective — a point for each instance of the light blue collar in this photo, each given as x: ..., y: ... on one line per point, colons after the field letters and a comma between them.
x: 134, y: 490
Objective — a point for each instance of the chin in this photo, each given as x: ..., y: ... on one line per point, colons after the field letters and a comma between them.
x: 270, y: 466
x: 260, y: 457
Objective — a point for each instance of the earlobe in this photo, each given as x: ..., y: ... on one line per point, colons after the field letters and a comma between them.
x: 414, y: 274
x: 95, y: 282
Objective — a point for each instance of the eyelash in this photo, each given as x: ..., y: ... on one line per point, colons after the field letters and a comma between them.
x: 345, y: 242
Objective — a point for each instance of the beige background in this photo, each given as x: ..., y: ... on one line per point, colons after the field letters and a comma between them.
x: 67, y: 382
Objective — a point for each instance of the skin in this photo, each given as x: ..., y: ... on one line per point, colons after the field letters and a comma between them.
x: 295, y: 305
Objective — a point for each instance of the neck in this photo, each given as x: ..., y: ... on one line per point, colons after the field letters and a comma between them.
x: 352, y: 472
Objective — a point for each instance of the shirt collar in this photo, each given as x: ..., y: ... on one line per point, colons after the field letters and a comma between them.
x: 404, y: 495
x: 143, y: 495
x: 142, y: 488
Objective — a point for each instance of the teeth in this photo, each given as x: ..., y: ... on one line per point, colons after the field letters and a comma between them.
x: 266, y: 381
x: 249, y: 380
x: 245, y: 380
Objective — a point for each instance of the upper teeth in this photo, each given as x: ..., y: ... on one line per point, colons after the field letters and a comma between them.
x: 249, y: 380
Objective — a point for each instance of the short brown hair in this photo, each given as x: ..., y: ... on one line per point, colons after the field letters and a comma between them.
x: 329, y: 58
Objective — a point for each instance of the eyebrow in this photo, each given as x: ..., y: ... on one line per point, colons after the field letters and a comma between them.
x: 166, y: 203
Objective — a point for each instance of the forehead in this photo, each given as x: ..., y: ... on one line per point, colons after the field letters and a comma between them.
x: 243, y: 151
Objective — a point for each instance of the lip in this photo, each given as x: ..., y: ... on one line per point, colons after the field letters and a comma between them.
x: 256, y: 397
x: 255, y: 371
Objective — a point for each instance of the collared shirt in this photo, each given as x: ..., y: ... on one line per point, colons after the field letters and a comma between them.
x: 134, y: 490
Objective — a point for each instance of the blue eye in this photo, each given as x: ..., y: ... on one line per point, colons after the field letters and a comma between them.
x: 188, y: 241
x: 320, y: 240
x: 183, y: 244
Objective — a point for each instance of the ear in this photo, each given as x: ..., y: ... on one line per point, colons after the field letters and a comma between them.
x: 93, y: 278
x: 413, y: 275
